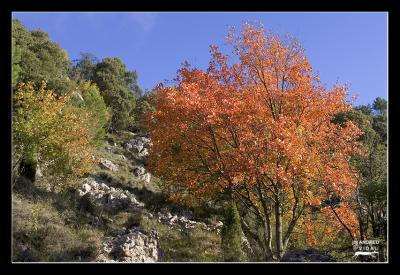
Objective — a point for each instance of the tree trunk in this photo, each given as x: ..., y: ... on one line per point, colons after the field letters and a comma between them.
x: 278, y: 228
x: 268, y: 239
x: 267, y: 225
x: 361, y: 224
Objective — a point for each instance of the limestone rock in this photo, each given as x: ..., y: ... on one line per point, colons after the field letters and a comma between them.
x: 185, y: 220
x: 128, y: 146
x: 107, y: 164
x: 139, y: 145
x: 139, y: 170
x: 86, y: 187
x: 146, y: 177
x: 101, y: 195
x: 137, y: 245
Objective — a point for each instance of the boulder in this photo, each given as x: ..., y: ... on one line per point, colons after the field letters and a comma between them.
x: 137, y: 144
x: 107, y: 164
x: 146, y: 177
x: 102, y: 195
x: 184, y: 219
x: 137, y: 245
x: 93, y: 184
x: 306, y: 255
x: 104, y: 186
x: 86, y: 187
x: 139, y: 170
x: 123, y: 196
x: 79, y: 193
x: 128, y: 146
x: 173, y: 219
x: 140, y: 145
x: 143, y: 153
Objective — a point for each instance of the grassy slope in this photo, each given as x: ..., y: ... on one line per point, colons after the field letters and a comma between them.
x: 48, y: 226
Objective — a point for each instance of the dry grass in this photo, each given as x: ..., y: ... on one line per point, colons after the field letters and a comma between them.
x: 41, y: 234
x: 193, y: 245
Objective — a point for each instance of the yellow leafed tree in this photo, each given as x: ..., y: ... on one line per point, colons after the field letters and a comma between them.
x: 49, y: 131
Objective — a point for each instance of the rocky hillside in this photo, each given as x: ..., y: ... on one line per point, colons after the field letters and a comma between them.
x: 117, y: 213
x: 121, y: 208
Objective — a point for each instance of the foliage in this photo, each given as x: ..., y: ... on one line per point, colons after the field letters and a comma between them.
x: 16, y: 59
x: 28, y: 165
x: 232, y: 234
x: 97, y: 109
x: 84, y: 67
x: 261, y: 129
x: 56, y: 133
x: 144, y: 105
x: 117, y: 86
x: 372, y: 185
x: 40, y: 59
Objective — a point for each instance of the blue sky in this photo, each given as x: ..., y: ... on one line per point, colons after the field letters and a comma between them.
x: 345, y: 47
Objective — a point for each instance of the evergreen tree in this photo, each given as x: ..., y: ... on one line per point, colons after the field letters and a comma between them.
x: 16, y: 59
x: 231, y: 235
x: 115, y: 83
x: 40, y: 59
x: 99, y: 112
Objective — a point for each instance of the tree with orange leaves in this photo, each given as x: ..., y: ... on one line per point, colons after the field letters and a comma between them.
x: 257, y: 131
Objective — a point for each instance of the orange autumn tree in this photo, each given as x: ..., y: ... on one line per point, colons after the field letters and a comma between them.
x: 257, y: 130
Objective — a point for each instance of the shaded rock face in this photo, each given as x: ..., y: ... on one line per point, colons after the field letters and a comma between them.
x: 95, y: 194
x: 306, y: 255
x: 137, y: 245
x: 107, y: 164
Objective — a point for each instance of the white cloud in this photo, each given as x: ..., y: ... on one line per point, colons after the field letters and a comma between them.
x: 146, y: 20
